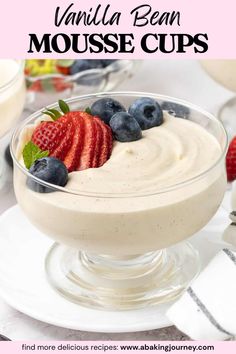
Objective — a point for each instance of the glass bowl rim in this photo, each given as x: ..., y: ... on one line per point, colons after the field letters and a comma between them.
x: 116, y: 94
x: 15, y: 77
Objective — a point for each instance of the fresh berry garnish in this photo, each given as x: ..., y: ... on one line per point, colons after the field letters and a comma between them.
x: 85, y: 64
x: 50, y: 170
x: 63, y: 66
x: 105, y: 108
x: 231, y: 161
x: 48, y: 135
x: 99, y: 139
x: 176, y: 109
x: 125, y: 128
x: 89, y: 142
x: 72, y: 151
x: 31, y: 153
x: 60, y: 84
x: 63, y: 70
x: 87, y: 79
x: 147, y: 112
x: 107, y: 62
x: 35, y: 86
x: 106, y: 146
x: 77, y: 138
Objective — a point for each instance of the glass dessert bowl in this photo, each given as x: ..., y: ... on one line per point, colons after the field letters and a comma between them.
x: 12, y: 96
x: 224, y: 72
x: 49, y: 87
x: 120, y: 229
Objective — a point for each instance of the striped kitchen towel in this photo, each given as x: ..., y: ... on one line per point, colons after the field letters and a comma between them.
x: 207, y: 310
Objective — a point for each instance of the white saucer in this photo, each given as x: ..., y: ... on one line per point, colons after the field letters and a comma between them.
x: 24, y: 285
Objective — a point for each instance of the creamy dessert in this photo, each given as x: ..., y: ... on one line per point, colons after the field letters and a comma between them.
x: 142, y: 194
x: 223, y: 71
x: 12, y: 93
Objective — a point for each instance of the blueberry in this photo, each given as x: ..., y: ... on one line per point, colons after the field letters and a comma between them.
x: 106, y: 62
x: 105, y: 108
x: 85, y: 64
x: 125, y: 127
x: 81, y: 65
x: 8, y: 157
x: 147, y: 112
x: 176, y: 109
x: 48, y: 169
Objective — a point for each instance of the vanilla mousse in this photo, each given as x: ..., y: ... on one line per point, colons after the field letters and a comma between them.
x: 142, y: 199
x: 12, y: 93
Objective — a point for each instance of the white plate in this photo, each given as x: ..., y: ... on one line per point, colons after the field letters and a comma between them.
x: 24, y: 285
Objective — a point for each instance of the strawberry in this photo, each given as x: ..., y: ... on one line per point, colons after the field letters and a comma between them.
x: 231, y: 161
x: 48, y: 135
x: 63, y: 66
x: 36, y: 86
x: 63, y: 69
x: 27, y: 71
x: 99, y: 142
x: 59, y: 84
x: 87, y: 154
x: 106, y: 147
x: 66, y: 141
x: 73, y: 156
x: 78, y: 139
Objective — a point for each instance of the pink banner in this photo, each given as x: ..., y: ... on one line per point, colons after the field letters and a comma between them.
x: 116, y: 347
x: 118, y: 29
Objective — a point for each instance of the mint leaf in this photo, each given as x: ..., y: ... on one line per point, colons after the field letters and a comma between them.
x: 41, y: 154
x: 56, y: 113
x: 53, y: 113
x: 64, y: 106
x: 50, y: 114
x: 88, y: 110
x: 31, y: 153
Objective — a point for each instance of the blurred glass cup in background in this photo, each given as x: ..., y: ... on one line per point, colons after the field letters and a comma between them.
x: 12, y: 98
x: 224, y: 72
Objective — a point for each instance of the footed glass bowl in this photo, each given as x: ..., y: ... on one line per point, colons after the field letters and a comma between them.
x: 123, y: 250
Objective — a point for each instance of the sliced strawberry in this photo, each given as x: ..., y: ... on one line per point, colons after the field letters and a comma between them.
x: 73, y: 155
x: 48, y: 135
x: 66, y: 142
x: 106, y: 146
x: 88, y: 150
x: 99, y: 142
x: 78, y: 139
